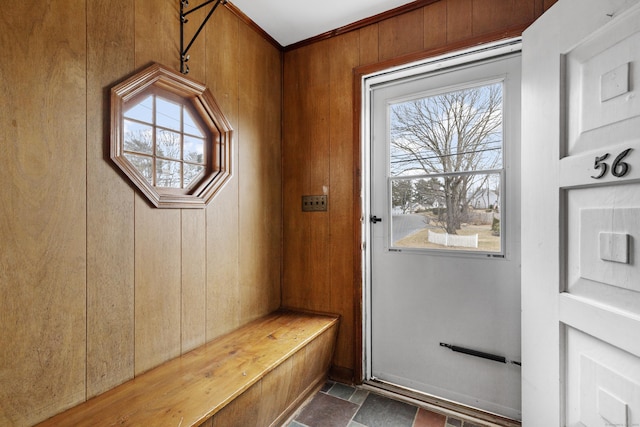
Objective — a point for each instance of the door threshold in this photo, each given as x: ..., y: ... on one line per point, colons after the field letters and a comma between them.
x: 444, y: 406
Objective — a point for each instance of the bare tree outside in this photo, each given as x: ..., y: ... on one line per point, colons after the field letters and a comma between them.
x: 449, y: 139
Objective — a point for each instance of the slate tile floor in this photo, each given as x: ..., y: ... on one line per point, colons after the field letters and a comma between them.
x: 339, y: 405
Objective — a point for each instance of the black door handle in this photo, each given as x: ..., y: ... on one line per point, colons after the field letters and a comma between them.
x: 375, y: 219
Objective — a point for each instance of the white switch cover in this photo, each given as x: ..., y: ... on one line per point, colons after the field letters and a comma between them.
x: 612, y: 409
x: 614, y: 247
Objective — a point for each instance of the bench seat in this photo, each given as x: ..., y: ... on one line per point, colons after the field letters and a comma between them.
x: 254, y: 376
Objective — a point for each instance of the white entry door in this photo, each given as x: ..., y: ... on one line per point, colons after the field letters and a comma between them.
x: 444, y: 255
x: 581, y: 215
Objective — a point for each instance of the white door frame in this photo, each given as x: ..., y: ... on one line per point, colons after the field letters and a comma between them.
x: 369, y: 81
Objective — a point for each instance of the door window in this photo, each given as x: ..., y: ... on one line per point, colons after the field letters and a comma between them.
x: 446, y: 169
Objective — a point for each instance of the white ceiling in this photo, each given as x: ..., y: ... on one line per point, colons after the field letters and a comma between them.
x: 291, y: 21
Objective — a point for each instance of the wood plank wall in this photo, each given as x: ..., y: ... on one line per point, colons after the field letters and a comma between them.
x: 320, y: 264
x: 95, y: 285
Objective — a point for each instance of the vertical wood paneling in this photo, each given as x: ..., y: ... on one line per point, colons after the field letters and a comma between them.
x: 157, y: 285
x: 110, y: 201
x: 306, y: 172
x: 368, y: 43
x: 459, y: 20
x: 194, y: 280
x: 293, y: 158
x: 158, y: 243
x: 401, y: 34
x: 42, y: 209
x: 194, y: 253
x: 344, y: 58
x: 316, y: 105
x: 494, y: 15
x: 260, y: 178
x: 157, y: 27
x: 223, y: 287
x: 435, y: 24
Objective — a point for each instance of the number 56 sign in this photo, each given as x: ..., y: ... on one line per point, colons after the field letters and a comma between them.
x: 618, y: 167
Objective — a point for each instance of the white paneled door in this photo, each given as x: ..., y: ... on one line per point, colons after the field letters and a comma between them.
x: 581, y: 215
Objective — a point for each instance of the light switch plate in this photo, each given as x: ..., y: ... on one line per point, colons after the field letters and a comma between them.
x: 314, y: 203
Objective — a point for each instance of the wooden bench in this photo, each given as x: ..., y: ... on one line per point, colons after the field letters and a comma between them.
x: 256, y: 375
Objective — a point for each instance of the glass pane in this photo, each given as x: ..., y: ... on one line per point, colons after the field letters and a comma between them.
x: 191, y: 173
x: 193, y: 150
x: 168, y: 144
x: 168, y: 114
x: 138, y: 137
x: 143, y: 164
x: 458, y: 212
x: 141, y: 110
x: 168, y: 174
x: 451, y: 132
x: 190, y: 126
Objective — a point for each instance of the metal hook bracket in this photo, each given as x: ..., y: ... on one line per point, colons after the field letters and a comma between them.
x: 184, y: 4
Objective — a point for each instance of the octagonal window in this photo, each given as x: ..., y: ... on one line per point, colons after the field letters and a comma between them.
x: 170, y: 138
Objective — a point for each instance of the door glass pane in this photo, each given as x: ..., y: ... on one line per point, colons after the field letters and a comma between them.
x: 421, y: 218
x: 455, y: 131
x: 445, y: 167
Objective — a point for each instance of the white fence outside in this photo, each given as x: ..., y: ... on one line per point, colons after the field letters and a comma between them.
x: 447, y: 239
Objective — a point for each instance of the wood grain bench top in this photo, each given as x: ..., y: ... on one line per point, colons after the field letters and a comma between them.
x: 190, y: 389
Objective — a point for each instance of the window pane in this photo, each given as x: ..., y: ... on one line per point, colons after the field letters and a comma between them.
x: 450, y: 132
x: 142, y: 110
x: 458, y: 212
x: 168, y: 114
x: 193, y: 150
x: 168, y: 144
x: 143, y: 164
x: 190, y: 126
x: 191, y: 173
x: 168, y: 174
x: 138, y: 137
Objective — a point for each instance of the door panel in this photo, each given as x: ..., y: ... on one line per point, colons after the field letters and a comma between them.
x: 422, y: 297
x: 581, y: 206
x: 603, y: 383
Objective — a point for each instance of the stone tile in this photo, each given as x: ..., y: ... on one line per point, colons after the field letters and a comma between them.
x: 342, y: 391
x: 326, y: 386
x: 356, y: 424
x: 429, y: 419
x: 359, y: 397
x: 380, y: 411
x: 327, y: 411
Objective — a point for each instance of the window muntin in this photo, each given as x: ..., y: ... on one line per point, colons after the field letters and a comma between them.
x: 446, y: 169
